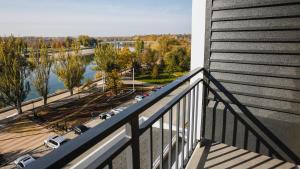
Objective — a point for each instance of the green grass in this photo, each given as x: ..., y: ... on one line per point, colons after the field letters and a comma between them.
x: 164, y: 78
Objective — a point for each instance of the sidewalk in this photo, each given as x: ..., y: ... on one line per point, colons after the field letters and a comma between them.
x: 59, y: 99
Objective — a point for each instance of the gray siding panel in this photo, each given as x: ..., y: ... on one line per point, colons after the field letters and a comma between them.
x: 272, y: 82
x: 257, y: 24
x: 256, y: 47
x: 232, y: 4
x: 263, y: 92
x: 259, y: 59
x: 278, y: 71
x: 257, y: 36
x: 255, y: 13
x: 254, y: 51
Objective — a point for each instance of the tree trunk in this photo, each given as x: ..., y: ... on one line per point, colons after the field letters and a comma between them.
x: 45, y: 100
x: 19, y: 107
x: 71, y: 92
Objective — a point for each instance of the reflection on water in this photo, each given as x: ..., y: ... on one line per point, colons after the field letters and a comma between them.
x: 55, y: 84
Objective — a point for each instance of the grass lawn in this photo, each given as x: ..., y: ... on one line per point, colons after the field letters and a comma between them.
x: 164, y: 78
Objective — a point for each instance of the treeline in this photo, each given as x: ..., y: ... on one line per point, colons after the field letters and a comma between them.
x: 18, y: 63
x: 87, y: 41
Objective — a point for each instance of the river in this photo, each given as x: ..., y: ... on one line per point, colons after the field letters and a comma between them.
x: 55, y: 84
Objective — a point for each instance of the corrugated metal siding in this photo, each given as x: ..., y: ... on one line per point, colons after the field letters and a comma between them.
x: 253, y: 48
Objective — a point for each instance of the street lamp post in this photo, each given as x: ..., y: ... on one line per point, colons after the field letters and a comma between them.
x: 133, y: 78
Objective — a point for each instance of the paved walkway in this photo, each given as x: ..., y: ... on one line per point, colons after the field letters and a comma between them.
x: 54, y: 99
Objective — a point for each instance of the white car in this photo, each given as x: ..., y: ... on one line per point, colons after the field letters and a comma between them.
x: 55, y: 141
x: 139, y: 98
x: 118, y: 110
x: 23, y: 161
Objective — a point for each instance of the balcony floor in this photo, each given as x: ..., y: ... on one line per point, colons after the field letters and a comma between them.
x: 220, y: 155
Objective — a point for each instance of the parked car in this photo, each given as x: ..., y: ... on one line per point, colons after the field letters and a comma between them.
x: 146, y: 94
x: 23, y: 161
x: 118, y: 110
x: 157, y: 88
x: 106, y: 115
x: 55, y: 141
x: 139, y: 98
x: 80, y: 129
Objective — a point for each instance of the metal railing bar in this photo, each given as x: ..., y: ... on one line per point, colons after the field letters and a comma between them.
x: 144, y: 126
x: 133, y: 152
x: 257, y: 147
x: 224, y: 124
x: 196, y: 115
x: 161, y: 126
x: 170, y: 139
x: 177, y: 134
x: 203, y: 122
x: 246, y: 138
x: 251, y: 117
x: 192, y: 119
x: 235, y: 121
x: 60, y: 157
x: 110, y: 165
x: 213, y: 127
x: 183, y: 130
x: 151, y: 147
x: 243, y: 121
x: 270, y: 154
x: 115, y: 150
x: 188, y: 125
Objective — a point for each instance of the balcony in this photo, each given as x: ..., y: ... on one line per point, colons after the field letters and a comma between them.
x: 183, y: 133
x: 218, y: 116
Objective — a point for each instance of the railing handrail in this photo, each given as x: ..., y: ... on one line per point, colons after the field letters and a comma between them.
x: 72, y: 149
x: 253, y: 119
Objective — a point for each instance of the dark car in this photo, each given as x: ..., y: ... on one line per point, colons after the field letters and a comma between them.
x: 80, y: 129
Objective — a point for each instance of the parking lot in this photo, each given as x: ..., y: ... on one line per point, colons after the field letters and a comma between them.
x: 24, y: 136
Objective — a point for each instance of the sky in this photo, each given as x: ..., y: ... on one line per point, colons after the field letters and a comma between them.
x: 94, y: 17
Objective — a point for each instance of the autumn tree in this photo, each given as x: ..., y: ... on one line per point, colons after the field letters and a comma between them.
x: 106, y: 59
x: 68, y: 42
x: 177, y: 60
x: 13, y: 72
x: 87, y: 41
x: 114, y: 82
x: 155, y: 72
x: 149, y: 58
x: 70, y: 67
x: 42, y: 63
x: 126, y: 58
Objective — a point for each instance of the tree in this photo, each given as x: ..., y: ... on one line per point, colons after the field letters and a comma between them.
x: 139, y: 46
x: 154, y: 74
x: 105, y: 58
x: 70, y: 67
x: 114, y: 82
x: 84, y: 40
x: 42, y: 63
x: 178, y: 59
x: 13, y: 72
x: 149, y: 58
x: 172, y: 61
x: 68, y: 42
x: 139, y: 49
x: 126, y: 58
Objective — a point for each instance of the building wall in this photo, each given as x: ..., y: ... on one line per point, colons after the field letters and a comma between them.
x: 253, y: 48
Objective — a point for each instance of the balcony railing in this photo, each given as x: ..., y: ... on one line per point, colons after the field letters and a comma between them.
x: 190, y: 127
